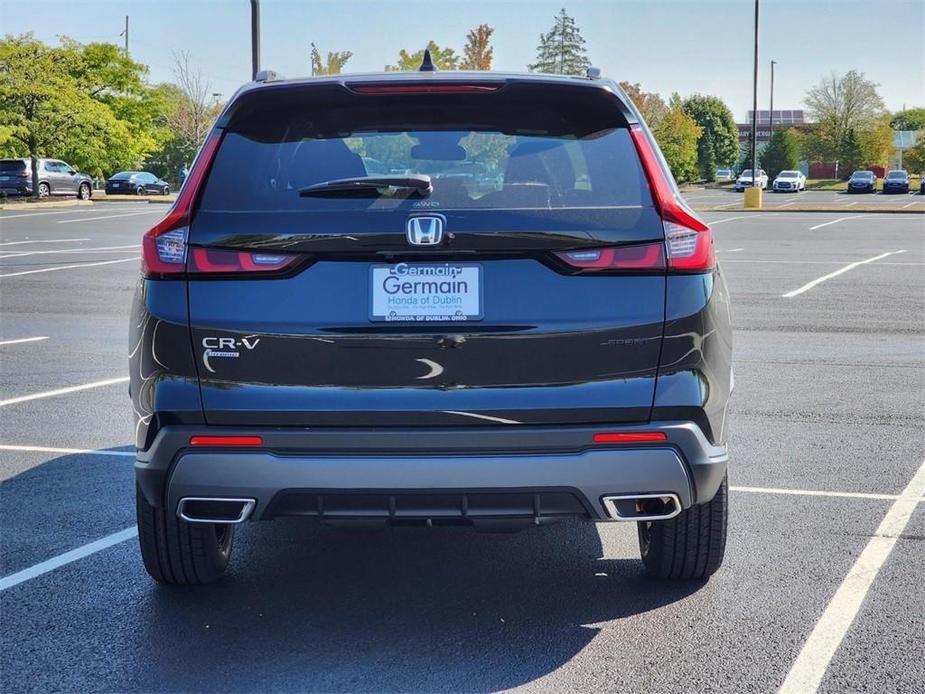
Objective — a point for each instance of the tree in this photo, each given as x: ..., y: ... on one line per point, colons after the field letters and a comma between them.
x: 650, y: 105
x: 877, y: 142
x: 719, y: 140
x: 840, y: 104
x: 677, y: 136
x: 781, y: 153
x: 46, y: 112
x: 190, y: 112
x: 478, y: 53
x: 850, y: 153
x: 914, y: 158
x: 909, y: 119
x: 444, y: 59
x: 562, y: 49
x: 333, y: 65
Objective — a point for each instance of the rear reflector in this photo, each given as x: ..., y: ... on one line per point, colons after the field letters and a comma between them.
x: 642, y: 258
x: 226, y: 441
x: 414, y: 88
x: 689, y: 240
x: 630, y: 437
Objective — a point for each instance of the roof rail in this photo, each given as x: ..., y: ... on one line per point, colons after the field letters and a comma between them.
x: 593, y: 73
x: 268, y: 76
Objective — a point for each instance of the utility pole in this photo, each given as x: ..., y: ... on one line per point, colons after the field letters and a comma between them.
x: 771, y: 112
x: 255, y: 38
x: 125, y: 34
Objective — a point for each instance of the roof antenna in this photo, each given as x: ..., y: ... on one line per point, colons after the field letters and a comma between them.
x: 427, y: 63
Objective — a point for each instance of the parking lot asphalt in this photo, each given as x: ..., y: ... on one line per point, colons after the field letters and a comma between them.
x: 828, y: 448
x: 726, y: 198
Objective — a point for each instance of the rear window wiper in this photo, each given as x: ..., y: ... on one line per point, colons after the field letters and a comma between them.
x: 369, y: 185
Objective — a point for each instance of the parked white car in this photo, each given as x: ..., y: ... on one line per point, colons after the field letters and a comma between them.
x: 745, y: 180
x: 789, y: 182
x: 724, y: 175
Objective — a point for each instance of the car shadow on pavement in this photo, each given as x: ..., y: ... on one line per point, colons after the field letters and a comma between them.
x: 310, y: 608
x: 303, y: 607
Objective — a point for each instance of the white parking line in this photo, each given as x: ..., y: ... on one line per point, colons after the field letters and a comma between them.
x: 836, y: 221
x: 811, y: 664
x: 95, y: 249
x: 727, y: 219
x: 914, y: 202
x: 814, y: 492
x: 68, y: 267
x: 20, y: 243
x: 67, y: 451
x: 809, y: 285
x: 21, y: 340
x: 62, y: 391
x: 38, y: 214
x: 68, y: 557
x: 109, y: 216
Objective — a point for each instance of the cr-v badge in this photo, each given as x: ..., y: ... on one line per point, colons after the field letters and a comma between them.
x: 225, y: 347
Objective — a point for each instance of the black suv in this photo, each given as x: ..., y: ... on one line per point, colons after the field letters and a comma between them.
x: 55, y: 178
x: 519, y: 321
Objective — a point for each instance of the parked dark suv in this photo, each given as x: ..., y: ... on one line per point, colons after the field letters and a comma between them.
x: 55, y: 178
x: 545, y: 337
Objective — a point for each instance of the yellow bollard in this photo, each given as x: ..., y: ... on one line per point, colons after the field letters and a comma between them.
x: 753, y: 198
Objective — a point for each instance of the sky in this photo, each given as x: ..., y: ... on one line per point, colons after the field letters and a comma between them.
x: 683, y: 46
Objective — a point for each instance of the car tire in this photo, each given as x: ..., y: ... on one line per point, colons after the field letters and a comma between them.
x: 140, y: 190
x: 166, y: 190
x: 83, y: 192
x: 689, y: 546
x: 175, y: 552
x: 44, y: 190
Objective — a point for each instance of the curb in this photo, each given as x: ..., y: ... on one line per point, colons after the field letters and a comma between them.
x: 139, y: 198
x: 51, y: 203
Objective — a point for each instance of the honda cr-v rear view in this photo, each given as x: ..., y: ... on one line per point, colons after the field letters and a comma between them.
x: 435, y: 298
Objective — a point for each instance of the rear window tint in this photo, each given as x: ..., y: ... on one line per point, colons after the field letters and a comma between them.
x: 12, y: 165
x: 556, y: 159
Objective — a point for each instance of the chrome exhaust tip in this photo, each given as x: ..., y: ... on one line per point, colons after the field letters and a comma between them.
x: 642, y: 507
x: 200, y: 509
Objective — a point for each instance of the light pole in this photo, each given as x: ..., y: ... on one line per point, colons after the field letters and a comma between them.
x: 753, y: 194
x: 255, y: 38
x: 771, y: 112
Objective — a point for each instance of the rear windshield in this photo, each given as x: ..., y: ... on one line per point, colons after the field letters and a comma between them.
x: 545, y: 155
x: 12, y: 165
x: 121, y: 175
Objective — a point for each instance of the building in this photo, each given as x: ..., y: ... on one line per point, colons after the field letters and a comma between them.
x: 783, y: 117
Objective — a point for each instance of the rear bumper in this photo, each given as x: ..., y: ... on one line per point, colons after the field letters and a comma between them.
x: 500, y: 460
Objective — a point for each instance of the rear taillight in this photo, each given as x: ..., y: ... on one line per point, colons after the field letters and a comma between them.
x: 646, y: 257
x: 688, y: 238
x: 165, y: 248
x: 218, y: 261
